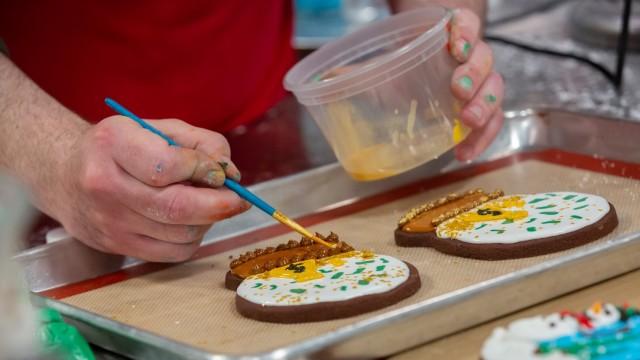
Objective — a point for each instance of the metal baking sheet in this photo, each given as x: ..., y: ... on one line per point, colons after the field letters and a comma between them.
x: 494, y: 287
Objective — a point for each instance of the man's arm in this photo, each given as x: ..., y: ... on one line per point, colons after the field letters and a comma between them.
x: 36, y: 133
x: 115, y: 186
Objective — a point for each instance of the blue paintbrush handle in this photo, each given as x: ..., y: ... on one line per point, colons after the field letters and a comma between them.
x: 244, y: 193
x: 124, y: 112
x: 232, y: 185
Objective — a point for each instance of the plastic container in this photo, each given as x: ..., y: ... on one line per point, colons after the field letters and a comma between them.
x: 381, y: 95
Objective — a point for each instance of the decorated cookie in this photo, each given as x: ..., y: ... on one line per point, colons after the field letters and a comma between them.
x: 334, y: 287
x: 261, y: 260
x: 604, y: 331
x: 494, y: 226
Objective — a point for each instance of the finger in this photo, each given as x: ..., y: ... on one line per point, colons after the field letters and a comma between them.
x: 469, y: 77
x: 180, y: 204
x: 149, y: 249
x: 485, y: 103
x: 479, y: 139
x: 465, y: 29
x: 178, y: 234
x: 211, y: 143
x: 150, y: 159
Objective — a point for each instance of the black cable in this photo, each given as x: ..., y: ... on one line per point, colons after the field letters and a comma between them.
x: 623, y: 38
x: 603, y: 70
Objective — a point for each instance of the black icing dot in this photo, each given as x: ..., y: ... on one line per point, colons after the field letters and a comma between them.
x: 297, y: 268
x: 552, y: 324
x: 488, y: 212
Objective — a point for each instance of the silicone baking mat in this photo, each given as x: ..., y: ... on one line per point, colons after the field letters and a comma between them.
x: 188, y: 302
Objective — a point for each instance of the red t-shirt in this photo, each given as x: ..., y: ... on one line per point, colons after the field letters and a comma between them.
x: 215, y: 64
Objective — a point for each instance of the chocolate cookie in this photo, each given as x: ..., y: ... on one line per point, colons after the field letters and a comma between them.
x: 494, y: 226
x: 335, y: 287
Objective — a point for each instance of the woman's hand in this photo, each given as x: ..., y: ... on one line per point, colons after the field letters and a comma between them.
x: 476, y: 84
x: 125, y: 190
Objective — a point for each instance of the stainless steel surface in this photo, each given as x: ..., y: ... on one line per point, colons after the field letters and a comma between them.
x: 537, y: 80
x: 397, y: 330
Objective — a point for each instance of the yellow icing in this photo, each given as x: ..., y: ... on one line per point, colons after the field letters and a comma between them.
x: 467, y: 221
x: 289, y: 271
x: 310, y: 267
x: 458, y: 132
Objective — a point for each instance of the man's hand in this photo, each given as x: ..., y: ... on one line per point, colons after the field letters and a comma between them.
x: 476, y: 84
x: 125, y: 190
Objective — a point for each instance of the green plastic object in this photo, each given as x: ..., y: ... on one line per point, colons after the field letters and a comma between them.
x: 61, y: 339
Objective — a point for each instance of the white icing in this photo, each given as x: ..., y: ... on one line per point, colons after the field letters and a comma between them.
x: 382, y: 274
x: 501, y: 346
x: 541, y: 221
x: 608, y: 314
x: 520, y: 339
x: 541, y: 328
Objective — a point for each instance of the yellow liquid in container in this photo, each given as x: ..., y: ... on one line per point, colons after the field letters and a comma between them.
x: 385, y: 160
x: 371, y: 150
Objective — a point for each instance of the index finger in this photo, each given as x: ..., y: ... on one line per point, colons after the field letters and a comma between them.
x: 149, y: 158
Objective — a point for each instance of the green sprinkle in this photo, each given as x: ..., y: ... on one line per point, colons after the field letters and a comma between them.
x: 530, y: 221
x: 580, y: 207
x: 298, y: 291
x: 531, y: 229
x: 363, y: 282
x: 552, y: 222
x: 480, y: 227
x: 343, y: 288
x: 384, y: 260
x: 466, y: 82
x: 569, y: 197
x: 508, y: 221
x: 549, y: 212
x: 337, y: 275
x: 380, y: 267
x: 273, y: 287
x: 324, y: 271
x: 583, y: 199
x: 537, y: 200
x: 318, y: 286
x: 499, y: 231
x: 546, y: 206
x: 257, y: 285
x: 576, y: 216
x: 358, y: 271
x: 551, y: 194
x: 490, y: 98
x: 364, y: 262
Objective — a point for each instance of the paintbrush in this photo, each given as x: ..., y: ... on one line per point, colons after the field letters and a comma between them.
x: 232, y: 185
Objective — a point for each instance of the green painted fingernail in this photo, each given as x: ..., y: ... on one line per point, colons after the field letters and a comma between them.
x: 465, y: 49
x: 490, y: 98
x: 465, y: 82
